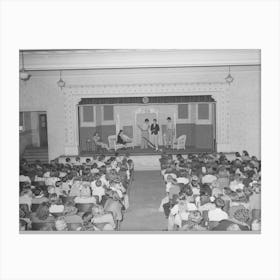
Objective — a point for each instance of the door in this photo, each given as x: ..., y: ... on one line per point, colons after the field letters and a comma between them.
x: 140, y: 119
x: 43, y: 130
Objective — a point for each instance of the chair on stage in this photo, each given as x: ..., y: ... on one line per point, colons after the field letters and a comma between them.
x: 112, y: 139
x: 180, y: 142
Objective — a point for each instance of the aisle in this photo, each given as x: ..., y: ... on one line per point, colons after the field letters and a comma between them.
x: 146, y: 193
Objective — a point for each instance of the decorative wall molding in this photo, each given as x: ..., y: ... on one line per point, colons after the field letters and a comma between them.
x: 74, y: 93
x: 151, y: 89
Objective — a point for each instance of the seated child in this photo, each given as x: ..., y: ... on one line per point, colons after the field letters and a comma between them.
x: 217, y: 214
x: 85, y: 194
x: 42, y: 214
x: 26, y: 197
x: 101, y: 218
x: 97, y: 189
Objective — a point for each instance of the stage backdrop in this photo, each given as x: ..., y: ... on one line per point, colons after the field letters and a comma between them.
x: 193, y: 116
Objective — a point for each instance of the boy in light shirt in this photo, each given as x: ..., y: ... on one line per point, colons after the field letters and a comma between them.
x: 217, y: 214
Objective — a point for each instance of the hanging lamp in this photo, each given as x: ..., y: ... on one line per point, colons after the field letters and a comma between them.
x: 229, y: 79
x: 60, y: 82
x: 24, y: 75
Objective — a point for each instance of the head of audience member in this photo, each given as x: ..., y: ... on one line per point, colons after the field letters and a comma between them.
x: 24, y: 211
x: 98, y: 183
x: 69, y: 208
x: 146, y: 120
x: 245, y: 153
x: 54, y: 199
x: 240, y: 214
x: 60, y: 224
x: 87, y: 217
x: 194, y: 181
x: 85, y: 190
x: 256, y: 225
x: 38, y: 192
x: 42, y: 212
x: 205, y: 190
x: 195, y: 216
x: 22, y: 225
x: 51, y: 190
x: 26, y: 192
x: 97, y: 210
x: 219, y: 203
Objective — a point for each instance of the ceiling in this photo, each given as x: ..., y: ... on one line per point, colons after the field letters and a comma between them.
x: 83, y: 59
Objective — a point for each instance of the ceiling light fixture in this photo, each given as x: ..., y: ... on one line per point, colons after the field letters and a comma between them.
x: 24, y: 75
x: 229, y: 79
x: 60, y: 82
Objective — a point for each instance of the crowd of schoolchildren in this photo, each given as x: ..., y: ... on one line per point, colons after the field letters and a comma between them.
x: 209, y: 192
x: 75, y: 196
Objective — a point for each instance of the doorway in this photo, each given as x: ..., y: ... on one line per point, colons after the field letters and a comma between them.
x: 140, y: 119
x: 43, y: 130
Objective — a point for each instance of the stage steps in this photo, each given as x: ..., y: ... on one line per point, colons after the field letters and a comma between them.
x: 32, y: 154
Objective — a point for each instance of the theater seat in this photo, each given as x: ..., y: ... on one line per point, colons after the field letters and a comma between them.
x: 84, y: 207
x: 39, y: 226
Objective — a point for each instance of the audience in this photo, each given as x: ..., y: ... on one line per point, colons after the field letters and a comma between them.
x: 211, y: 192
x: 203, y: 192
x: 90, y: 196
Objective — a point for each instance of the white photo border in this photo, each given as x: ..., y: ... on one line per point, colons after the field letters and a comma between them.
x: 156, y: 25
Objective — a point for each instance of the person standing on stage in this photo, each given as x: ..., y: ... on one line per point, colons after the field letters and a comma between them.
x: 145, y: 134
x: 154, y: 133
x: 169, y: 133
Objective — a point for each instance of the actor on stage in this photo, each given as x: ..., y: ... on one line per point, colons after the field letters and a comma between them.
x: 122, y: 139
x: 169, y: 133
x: 145, y: 134
x: 154, y: 133
x: 97, y: 142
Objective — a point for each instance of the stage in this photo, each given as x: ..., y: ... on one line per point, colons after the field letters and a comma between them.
x: 137, y: 151
x: 144, y: 159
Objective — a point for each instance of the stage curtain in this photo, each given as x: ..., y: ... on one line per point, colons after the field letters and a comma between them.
x: 152, y: 100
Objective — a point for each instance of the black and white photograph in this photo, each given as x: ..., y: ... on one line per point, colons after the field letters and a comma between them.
x: 140, y: 140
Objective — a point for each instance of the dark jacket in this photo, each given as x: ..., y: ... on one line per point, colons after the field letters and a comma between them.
x: 154, y: 129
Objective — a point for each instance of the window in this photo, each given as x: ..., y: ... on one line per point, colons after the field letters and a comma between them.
x: 183, y: 111
x: 21, y: 121
x: 108, y: 113
x: 203, y: 111
x: 87, y: 116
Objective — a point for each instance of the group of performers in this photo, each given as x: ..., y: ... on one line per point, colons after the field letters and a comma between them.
x: 154, y: 129
x: 149, y: 136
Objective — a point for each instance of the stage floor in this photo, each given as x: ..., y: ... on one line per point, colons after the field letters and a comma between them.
x: 142, y: 152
